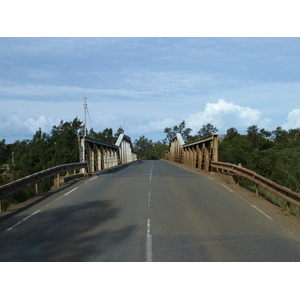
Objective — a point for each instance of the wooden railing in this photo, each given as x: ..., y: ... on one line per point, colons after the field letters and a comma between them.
x: 20, y: 184
x: 278, y: 190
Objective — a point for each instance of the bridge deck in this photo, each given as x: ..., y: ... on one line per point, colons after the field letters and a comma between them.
x: 150, y: 211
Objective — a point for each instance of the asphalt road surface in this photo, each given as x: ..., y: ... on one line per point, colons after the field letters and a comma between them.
x: 151, y: 211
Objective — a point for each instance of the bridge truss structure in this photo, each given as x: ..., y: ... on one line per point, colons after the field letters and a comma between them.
x: 100, y: 155
x: 197, y: 154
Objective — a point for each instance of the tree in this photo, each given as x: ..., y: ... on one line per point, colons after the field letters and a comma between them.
x: 119, y: 131
x: 141, y: 146
x: 231, y: 133
x: 106, y: 135
x: 181, y: 128
x: 157, y: 152
x: 235, y: 148
x: 206, y: 130
x: 64, y: 140
x: 5, y: 151
x: 258, y: 138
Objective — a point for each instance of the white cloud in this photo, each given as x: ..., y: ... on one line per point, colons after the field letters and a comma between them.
x: 13, y: 127
x: 155, y: 126
x: 224, y: 115
x: 293, y: 120
x: 34, y: 125
x: 30, y: 90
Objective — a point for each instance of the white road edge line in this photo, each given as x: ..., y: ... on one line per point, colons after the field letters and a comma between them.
x: 23, y: 220
x: 227, y: 188
x: 70, y: 191
x: 262, y: 212
x: 247, y: 201
x: 42, y: 208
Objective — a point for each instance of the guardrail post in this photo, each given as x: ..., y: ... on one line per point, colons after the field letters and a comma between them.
x: 256, y: 189
x: 236, y: 178
x: 36, y: 189
x: 57, y: 182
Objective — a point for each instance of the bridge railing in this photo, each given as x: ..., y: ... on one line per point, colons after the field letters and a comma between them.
x: 13, y: 187
x: 278, y: 190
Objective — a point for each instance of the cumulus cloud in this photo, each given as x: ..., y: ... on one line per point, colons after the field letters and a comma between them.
x: 293, y: 120
x: 224, y: 115
x: 13, y: 127
x: 221, y: 114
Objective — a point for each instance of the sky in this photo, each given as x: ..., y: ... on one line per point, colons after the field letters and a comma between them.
x: 148, y: 84
x: 144, y: 71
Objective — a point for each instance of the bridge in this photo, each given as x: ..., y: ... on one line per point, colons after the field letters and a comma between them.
x: 176, y: 209
x: 100, y: 155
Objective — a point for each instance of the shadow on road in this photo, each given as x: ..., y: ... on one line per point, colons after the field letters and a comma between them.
x: 70, y: 233
x: 118, y: 168
x: 18, y: 208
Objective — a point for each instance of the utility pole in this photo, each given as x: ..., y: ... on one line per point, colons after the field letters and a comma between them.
x: 85, y: 105
x: 83, y: 141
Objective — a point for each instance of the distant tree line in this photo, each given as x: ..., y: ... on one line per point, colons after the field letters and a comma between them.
x: 205, y: 130
x: 148, y: 150
x: 272, y: 154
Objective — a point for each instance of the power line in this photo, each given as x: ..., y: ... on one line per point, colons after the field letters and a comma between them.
x: 89, y: 118
x: 86, y: 110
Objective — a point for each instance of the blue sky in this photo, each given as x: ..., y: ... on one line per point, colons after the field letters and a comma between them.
x: 148, y: 83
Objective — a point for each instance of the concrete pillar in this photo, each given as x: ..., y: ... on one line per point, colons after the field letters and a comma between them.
x: 110, y: 158
x: 215, y: 148
x: 206, y: 157
x: 194, y: 156
x: 99, y: 158
x: 102, y: 157
x: 189, y: 156
x: 92, y: 158
x: 116, y: 157
x: 197, y: 156
x: 105, y: 157
x: 200, y: 156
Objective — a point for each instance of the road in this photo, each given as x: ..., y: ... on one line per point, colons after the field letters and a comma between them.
x: 151, y: 211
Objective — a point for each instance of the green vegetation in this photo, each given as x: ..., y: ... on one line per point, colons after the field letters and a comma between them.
x: 205, y: 130
x: 272, y: 154
x: 44, y: 151
x: 147, y: 150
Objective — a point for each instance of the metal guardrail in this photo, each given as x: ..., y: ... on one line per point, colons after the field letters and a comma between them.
x: 278, y: 190
x: 20, y: 184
